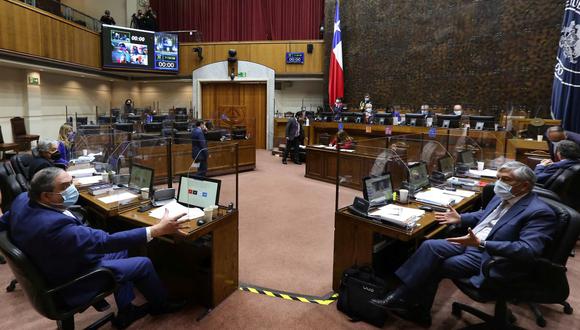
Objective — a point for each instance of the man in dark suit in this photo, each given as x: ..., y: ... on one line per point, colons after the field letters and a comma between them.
x: 63, y: 248
x: 293, y: 130
x: 199, y: 151
x: 515, y: 224
x: 46, y: 154
x: 567, y: 154
x: 556, y: 134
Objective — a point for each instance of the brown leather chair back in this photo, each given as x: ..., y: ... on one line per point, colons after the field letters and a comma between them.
x: 18, y: 127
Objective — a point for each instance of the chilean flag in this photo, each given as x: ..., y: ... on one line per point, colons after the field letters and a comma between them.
x: 336, y: 75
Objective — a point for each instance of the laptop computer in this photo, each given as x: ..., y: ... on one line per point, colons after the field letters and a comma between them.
x: 466, y: 157
x: 418, y: 177
x: 196, y: 192
x: 140, y: 177
x: 378, y: 190
x: 447, y: 166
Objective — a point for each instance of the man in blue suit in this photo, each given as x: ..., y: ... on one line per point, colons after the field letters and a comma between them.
x: 515, y: 224
x: 199, y: 151
x: 555, y: 134
x: 567, y: 154
x: 63, y: 248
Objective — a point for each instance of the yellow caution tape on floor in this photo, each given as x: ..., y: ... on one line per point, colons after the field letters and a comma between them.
x: 325, y: 300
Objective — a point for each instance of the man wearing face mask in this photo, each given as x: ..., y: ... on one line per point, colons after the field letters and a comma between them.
x: 365, y: 101
x: 63, y: 248
x: 457, y: 109
x: 555, y: 134
x: 515, y: 224
x: 46, y: 155
x: 425, y: 110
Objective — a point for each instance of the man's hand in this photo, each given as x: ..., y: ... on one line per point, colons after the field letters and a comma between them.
x: 166, y: 226
x: 448, y: 218
x: 468, y: 240
x: 546, y: 162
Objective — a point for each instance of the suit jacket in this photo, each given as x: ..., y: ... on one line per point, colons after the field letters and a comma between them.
x: 60, y: 246
x: 198, y: 145
x: 571, y: 136
x: 38, y: 163
x: 521, y: 234
x: 291, y: 127
x: 543, y: 173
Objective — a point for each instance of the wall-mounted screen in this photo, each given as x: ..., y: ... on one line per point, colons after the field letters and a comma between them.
x: 132, y: 49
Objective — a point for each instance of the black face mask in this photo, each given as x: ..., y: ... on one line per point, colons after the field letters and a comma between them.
x: 55, y: 155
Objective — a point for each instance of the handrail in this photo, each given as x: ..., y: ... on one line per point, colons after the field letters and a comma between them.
x: 68, y: 13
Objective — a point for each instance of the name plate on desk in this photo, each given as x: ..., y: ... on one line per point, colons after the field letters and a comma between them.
x: 294, y: 58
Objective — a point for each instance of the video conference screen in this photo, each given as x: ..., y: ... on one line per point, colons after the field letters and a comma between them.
x: 125, y: 48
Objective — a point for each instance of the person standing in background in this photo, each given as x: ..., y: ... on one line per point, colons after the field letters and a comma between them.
x: 199, y: 151
x: 107, y: 18
x: 293, y: 138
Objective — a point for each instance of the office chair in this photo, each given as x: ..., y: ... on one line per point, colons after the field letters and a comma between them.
x: 565, y: 183
x: 19, y: 134
x: 44, y: 298
x: 6, y: 146
x: 546, y: 284
x: 21, y: 164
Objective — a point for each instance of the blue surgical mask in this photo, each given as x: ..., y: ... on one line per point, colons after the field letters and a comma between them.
x: 503, y: 190
x: 69, y: 196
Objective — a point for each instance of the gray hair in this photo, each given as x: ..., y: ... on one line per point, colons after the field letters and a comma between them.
x: 520, y: 171
x: 44, y: 145
x: 43, y: 181
x: 568, y: 149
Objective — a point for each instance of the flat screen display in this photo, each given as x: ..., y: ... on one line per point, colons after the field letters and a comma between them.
x: 198, y: 192
x: 141, y: 177
x: 132, y: 49
x: 378, y: 190
x: 418, y: 175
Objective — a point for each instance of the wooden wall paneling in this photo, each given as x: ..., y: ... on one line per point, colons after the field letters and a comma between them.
x: 312, y: 62
x: 270, y: 55
x: 19, y: 29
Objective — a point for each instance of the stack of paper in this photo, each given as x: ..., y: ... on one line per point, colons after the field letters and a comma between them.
x: 485, y: 173
x: 398, y: 215
x: 88, y: 180
x: 82, y: 172
x: 176, y: 209
x: 437, y: 197
x: 457, y: 192
x: 118, y: 197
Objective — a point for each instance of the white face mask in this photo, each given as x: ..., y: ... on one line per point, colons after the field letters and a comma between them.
x: 503, y: 190
x: 457, y: 112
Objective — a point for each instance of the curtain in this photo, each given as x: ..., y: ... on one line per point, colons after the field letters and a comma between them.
x: 241, y: 20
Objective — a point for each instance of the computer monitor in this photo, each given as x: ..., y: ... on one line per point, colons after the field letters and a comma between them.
x: 180, y: 117
x: 446, y: 164
x: 353, y: 117
x: 215, y: 134
x: 238, y: 133
x: 181, y: 125
x: 415, y: 119
x: 152, y: 127
x: 378, y: 190
x: 448, y: 121
x: 418, y: 176
x: 181, y: 111
x: 89, y: 129
x: 383, y: 118
x: 133, y: 118
x: 141, y: 177
x: 127, y: 127
x: 466, y: 157
x: 159, y: 118
x: 103, y: 120
x: 480, y: 123
x: 198, y: 192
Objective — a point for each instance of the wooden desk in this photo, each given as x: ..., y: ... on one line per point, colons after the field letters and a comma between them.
x: 516, y: 147
x: 353, y: 236
x: 209, y: 272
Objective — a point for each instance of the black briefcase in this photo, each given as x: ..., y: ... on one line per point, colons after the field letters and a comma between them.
x: 357, y: 287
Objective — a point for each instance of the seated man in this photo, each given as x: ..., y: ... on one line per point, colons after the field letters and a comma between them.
x: 555, y: 134
x: 515, y: 224
x: 62, y: 248
x: 567, y: 154
x: 45, y: 156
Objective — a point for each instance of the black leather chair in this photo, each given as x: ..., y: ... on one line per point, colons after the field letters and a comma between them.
x: 44, y: 298
x: 21, y: 163
x: 546, y: 284
x: 565, y: 184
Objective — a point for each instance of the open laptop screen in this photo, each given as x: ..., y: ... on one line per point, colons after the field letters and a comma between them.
x: 141, y: 177
x: 378, y: 190
x: 198, y: 192
x: 418, y: 175
x: 466, y: 157
x: 446, y: 164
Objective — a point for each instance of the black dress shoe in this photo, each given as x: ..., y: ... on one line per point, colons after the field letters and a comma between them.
x: 298, y: 163
x: 284, y: 161
x: 126, y: 316
x: 392, y: 302
x: 168, y: 307
x: 101, y: 305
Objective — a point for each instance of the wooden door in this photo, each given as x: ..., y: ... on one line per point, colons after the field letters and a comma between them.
x: 245, y: 101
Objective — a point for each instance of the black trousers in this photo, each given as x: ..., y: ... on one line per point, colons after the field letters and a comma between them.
x: 294, y: 145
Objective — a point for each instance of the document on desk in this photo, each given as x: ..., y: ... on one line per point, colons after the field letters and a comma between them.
x: 457, y: 192
x: 398, y: 215
x: 175, y: 209
x: 84, y: 181
x: 82, y: 172
x: 485, y: 173
x: 437, y: 197
x: 118, y: 197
